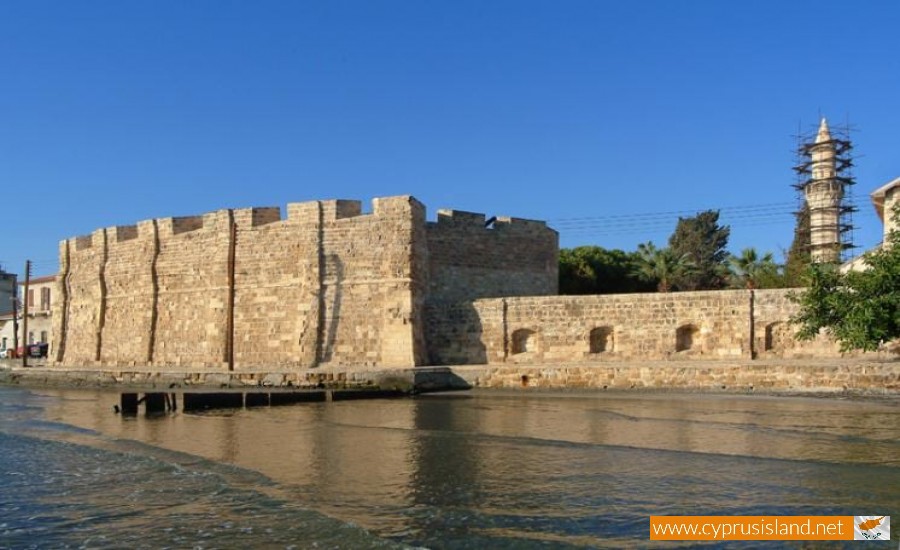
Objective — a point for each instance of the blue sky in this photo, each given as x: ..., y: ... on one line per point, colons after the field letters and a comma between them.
x: 624, y: 113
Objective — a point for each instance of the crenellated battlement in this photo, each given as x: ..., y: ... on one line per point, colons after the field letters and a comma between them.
x: 84, y: 242
x: 126, y: 232
x: 460, y: 219
x: 504, y: 223
x: 257, y: 216
x: 184, y: 224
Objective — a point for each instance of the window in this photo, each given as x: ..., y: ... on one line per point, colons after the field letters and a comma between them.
x: 4, y: 343
x: 523, y: 340
x: 30, y: 297
x: 43, y: 336
x: 45, y: 298
x: 30, y: 337
x: 602, y: 339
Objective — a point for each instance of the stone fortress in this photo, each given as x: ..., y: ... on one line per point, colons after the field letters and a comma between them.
x: 327, y: 285
x: 331, y: 286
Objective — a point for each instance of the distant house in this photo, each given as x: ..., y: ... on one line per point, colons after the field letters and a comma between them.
x: 7, y: 307
x: 884, y: 199
x: 7, y: 326
x: 40, y: 302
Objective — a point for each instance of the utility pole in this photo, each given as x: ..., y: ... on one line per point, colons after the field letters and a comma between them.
x: 25, y: 313
x: 15, y: 304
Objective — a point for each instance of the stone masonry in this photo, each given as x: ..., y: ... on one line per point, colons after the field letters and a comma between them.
x: 330, y: 286
x: 327, y: 286
x: 732, y: 324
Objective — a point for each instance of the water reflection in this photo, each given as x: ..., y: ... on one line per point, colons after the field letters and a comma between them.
x: 564, y: 468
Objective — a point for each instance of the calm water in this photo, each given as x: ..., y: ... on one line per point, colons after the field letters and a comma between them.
x: 451, y: 471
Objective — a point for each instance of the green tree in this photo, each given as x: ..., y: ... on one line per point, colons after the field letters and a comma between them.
x: 861, y: 309
x: 596, y: 270
x: 750, y: 270
x: 576, y: 274
x: 702, y: 241
x: 661, y: 266
x: 798, y: 257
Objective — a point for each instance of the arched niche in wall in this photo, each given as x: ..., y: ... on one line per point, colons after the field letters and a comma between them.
x: 778, y: 334
x: 524, y: 340
x: 602, y: 339
x: 687, y: 337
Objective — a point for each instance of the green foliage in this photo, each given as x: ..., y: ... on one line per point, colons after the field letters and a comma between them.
x: 661, y: 266
x: 702, y: 241
x: 798, y: 257
x: 596, y: 270
x: 750, y: 270
x: 861, y: 309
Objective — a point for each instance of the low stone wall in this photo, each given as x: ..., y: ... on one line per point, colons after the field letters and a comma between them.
x: 403, y: 379
x: 709, y: 325
x: 850, y: 376
x: 839, y: 377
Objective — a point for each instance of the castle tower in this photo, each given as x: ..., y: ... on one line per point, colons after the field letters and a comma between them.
x: 823, y: 172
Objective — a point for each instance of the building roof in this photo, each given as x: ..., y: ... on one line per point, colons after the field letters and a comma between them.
x: 879, y: 194
x: 39, y: 280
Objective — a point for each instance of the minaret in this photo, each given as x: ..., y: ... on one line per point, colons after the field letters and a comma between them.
x: 824, y: 194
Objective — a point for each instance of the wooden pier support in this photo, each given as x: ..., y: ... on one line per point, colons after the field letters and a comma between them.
x: 129, y: 404
x: 159, y: 403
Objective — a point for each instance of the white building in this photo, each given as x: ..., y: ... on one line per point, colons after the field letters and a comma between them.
x: 883, y: 199
x: 40, y: 303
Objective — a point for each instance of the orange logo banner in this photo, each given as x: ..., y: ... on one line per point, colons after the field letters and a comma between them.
x: 751, y: 528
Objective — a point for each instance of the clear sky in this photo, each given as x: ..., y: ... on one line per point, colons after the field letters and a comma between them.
x: 624, y: 113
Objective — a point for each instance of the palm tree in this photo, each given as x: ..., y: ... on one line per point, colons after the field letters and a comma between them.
x: 749, y: 269
x: 660, y: 265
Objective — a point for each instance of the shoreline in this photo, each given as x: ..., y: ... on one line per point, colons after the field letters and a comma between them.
x: 809, y: 377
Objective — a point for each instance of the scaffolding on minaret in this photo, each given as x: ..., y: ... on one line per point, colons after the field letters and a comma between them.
x: 824, y: 182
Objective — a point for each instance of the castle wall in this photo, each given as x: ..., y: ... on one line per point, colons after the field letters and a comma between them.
x: 276, y: 277
x: 129, y: 304
x: 192, y: 291
x: 735, y: 324
x: 370, y: 295
x: 514, y: 257
x: 326, y: 286
x: 79, y: 320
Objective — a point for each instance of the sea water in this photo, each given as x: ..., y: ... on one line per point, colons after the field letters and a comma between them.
x: 465, y: 470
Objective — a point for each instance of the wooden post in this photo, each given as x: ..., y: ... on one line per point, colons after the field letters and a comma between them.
x: 25, y: 313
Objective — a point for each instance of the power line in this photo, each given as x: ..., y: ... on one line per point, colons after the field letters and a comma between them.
x: 786, y: 206
x: 670, y: 222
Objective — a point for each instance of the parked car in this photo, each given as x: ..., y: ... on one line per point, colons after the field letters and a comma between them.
x: 38, y: 350
x: 12, y: 353
x: 34, y: 350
